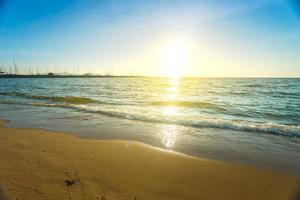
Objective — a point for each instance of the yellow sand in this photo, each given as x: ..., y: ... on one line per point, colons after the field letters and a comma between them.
x: 34, y: 164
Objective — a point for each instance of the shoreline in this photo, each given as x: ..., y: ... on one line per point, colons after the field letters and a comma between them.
x: 42, y: 164
x: 12, y: 123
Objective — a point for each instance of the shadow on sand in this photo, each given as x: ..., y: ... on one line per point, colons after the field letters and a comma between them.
x: 3, y: 193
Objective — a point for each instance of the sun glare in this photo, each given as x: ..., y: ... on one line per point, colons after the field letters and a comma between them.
x: 174, y: 60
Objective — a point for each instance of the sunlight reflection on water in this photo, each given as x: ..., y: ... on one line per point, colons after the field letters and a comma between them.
x: 168, y: 135
x: 169, y: 132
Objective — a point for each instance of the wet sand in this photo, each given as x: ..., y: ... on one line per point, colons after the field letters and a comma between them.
x: 39, y: 164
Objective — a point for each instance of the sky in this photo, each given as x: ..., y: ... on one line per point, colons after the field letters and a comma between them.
x: 259, y: 38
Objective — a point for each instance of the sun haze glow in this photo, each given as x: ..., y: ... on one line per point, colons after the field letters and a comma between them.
x: 170, y: 38
x: 174, y: 60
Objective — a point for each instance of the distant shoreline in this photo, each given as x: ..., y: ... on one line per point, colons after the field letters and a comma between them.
x: 127, y: 76
x: 63, y: 76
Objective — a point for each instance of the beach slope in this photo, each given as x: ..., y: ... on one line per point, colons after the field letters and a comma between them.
x: 39, y: 164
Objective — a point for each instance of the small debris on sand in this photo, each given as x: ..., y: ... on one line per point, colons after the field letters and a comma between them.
x: 69, y: 182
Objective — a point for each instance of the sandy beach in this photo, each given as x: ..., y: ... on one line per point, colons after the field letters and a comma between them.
x: 39, y: 164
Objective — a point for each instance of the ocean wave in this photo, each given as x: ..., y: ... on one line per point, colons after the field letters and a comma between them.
x: 270, y: 128
x: 203, y: 122
x: 282, y: 93
x: 192, y: 104
x: 66, y: 99
x: 254, y: 85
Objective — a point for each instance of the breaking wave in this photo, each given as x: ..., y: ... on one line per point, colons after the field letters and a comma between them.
x: 191, y: 104
x: 200, y: 122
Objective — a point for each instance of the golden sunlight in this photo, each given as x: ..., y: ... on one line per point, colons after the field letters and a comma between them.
x: 168, y: 133
x: 174, y: 60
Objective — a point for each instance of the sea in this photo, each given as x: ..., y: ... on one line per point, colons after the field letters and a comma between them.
x: 251, y: 121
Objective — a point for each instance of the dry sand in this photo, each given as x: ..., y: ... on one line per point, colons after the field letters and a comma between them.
x: 35, y: 164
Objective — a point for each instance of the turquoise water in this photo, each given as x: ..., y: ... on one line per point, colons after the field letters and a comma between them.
x: 253, y: 121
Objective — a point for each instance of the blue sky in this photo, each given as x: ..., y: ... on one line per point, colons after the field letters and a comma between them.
x: 224, y: 38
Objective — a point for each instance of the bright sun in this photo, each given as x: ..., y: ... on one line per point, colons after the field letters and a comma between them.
x: 174, y: 60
